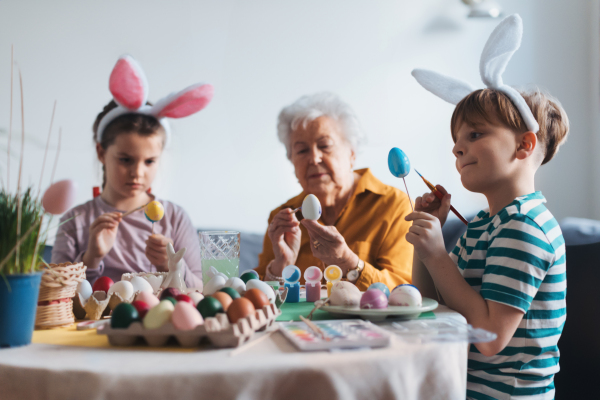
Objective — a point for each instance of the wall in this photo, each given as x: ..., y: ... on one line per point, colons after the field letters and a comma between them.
x: 225, y: 165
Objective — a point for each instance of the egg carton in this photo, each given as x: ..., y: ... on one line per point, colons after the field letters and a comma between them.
x: 219, y: 332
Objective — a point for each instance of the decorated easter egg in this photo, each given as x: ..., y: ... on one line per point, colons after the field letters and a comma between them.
x: 158, y: 315
x: 123, y: 315
x: 141, y: 285
x: 186, y: 298
x: 311, y: 207
x: 257, y: 297
x: 102, y: 284
x: 171, y: 299
x: 209, y: 307
x: 313, y: 274
x: 141, y: 306
x: 291, y: 274
x: 154, y: 211
x: 196, y: 297
x: 185, y: 317
x: 148, y: 298
x: 169, y: 292
x: 265, y: 288
x: 223, y: 298
x: 216, y: 283
x: 59, y: 197
x: 344, y: 293
x: 382, y: 287
x: 240, y: 308
x: 406, y: 295
x: 84, y: 289
x: 247, y: 275
x: 237, y: 284
x: 398, y: 163
x: 123, y: 289
x: 333, y: 273
x: 373, y: 299
x: 231, y: 292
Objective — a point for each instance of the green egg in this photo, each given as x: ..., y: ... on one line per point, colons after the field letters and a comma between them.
x: 123, y: 315
x: 209, y: 307
x: 171, y: 299
x: 246, y: 276
x: 231, y: 292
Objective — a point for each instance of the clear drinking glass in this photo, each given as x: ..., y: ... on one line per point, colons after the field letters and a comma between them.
x: 220, y: 249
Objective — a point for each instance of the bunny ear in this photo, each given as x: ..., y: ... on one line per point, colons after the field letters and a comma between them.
x: 187, y: 102
x: 179, y: 255
x: 128, y: 83
x: 449, y: 89
x: 501, y: 45
x: 170, y: 250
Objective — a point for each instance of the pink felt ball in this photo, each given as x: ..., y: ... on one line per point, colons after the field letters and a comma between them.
x: 373, y: 299
x: 59, y: 197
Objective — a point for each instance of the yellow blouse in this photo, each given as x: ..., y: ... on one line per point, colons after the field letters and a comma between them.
x: 373, y: 225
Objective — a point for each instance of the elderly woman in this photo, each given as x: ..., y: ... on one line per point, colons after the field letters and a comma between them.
x: 362, y: 228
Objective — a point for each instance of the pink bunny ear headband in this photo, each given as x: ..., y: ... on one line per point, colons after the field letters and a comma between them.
x: 129, y: 88
x: 504, y: 41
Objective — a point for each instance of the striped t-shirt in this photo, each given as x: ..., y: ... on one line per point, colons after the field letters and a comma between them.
x: 517, y: 258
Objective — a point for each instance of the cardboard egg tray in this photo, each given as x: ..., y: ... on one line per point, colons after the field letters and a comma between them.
x: 217, y: 330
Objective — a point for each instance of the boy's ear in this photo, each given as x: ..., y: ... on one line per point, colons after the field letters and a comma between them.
x: 100, y: 152
x: 526, y: 146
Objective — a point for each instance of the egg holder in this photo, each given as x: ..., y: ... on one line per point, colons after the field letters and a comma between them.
x: 217, y: 330
x: 98, y: 305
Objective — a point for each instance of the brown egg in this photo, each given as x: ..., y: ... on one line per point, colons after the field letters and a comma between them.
x: 257, y: 297
x: 239, y: 308
x: 223, y: 298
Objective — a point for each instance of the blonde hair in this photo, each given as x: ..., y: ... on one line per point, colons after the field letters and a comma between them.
x: 494, y: 107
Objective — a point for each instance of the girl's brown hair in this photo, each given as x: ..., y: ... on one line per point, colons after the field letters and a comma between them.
x: 142, y: 124
x: 494, y: 107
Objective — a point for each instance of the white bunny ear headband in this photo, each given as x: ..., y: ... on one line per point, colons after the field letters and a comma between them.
x: 501, y: 45
x: 129, y: 88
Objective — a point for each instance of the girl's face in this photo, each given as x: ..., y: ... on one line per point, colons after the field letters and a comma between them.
x: 485, y: 156
x: 130, y: 163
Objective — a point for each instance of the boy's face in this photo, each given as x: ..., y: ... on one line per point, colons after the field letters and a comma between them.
x: 485, y: 156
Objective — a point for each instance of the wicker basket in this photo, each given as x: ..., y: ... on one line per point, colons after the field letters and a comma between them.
x: 58, y: 282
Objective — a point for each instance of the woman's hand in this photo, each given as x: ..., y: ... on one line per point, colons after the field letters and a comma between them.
x: 284, y: 232
x: 430, y: 204
x: 328, y: 245
x: 426, y: 235
x: 103, y: 232
x: 156, y: 251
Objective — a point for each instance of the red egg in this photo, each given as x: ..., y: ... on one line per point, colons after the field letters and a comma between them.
x: 142, y: 308
x: 59, y: 197
x: 102, y: 284
x: 239, y: 308
x: 186, y: 298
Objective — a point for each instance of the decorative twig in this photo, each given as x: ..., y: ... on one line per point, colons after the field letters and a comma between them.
x: 19, y: 198
x: 57, y: 153
x: 46, y: 151
x: 10, y: 119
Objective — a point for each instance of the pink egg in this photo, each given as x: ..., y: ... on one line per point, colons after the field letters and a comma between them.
x: 185, y: 316
x: 148, y: 298
x: 59, y: 197
x: 373, y: 299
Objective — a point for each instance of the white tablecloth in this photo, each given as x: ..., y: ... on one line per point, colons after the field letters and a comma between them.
x: 271, y: 369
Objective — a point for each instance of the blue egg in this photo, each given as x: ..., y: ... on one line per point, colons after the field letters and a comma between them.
x: 380, y: 286
x: 398, y: 163
x: 405, y: 284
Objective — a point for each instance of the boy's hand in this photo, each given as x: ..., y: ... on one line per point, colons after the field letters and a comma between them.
x: 426, y: 235
x: 429, y: 203
x: 156, y: 251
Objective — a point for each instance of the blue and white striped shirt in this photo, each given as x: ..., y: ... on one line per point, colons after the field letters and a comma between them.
x: 517, y: 258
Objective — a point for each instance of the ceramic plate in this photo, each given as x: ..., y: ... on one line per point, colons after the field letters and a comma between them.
x: 380, y: 315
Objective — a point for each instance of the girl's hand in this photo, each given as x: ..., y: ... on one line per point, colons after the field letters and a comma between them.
x: 103, y: 232
x: 284, y: 232
x: 328, y: 245
x: 426, y: 235
x: 156, y: 251
x: 429, y: 203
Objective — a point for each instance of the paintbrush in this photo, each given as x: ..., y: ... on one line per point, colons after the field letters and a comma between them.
x: 440, y: 196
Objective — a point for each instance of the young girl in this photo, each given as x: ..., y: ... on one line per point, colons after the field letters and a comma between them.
x: 511, y: 275
x: 130, y: 135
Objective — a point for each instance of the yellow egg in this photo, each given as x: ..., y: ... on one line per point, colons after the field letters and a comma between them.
x: 154, y: 211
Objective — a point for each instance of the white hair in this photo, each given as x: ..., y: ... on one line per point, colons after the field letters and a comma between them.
x: 310, y: 107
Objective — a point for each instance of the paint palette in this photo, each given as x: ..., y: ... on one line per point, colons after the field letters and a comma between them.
x: 339, y: 334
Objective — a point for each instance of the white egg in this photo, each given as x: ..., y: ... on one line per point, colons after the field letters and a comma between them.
x: 406, y: 295
x: 123, y: 288
x: 84, y: 289
x: 196, y: 297
x: 141, y: 285
x: 311, y: 208
x: 214, y: 285
x: 263, y: 287
x: 237, y: 284
x: 344, y: 294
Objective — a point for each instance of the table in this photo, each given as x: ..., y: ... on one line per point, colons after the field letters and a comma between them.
x: 270, y: 369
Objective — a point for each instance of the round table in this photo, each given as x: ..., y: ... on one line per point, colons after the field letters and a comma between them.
x: 269, y: 369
